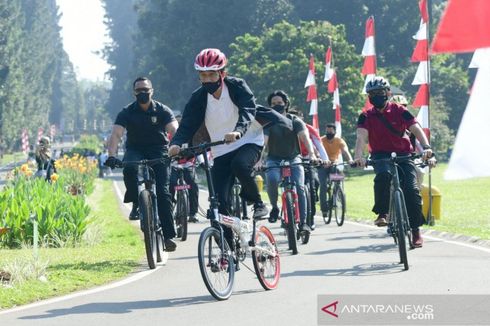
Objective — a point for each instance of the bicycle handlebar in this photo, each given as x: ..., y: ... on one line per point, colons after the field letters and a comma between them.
x: 198, y: 149
x: 122, y: 164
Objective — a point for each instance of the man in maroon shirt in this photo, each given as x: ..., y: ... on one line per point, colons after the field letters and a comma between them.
x: 383, y: 126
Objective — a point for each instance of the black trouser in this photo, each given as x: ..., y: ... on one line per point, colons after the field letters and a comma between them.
x: 313, y: 173
x: 239, y: 164
x: 164, y: 198
x: 189, y: 177
x: 408, y: 182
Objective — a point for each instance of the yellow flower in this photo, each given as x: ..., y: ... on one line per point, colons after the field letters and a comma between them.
x: 54, y: 177
x: 28, y: 173
x: 24, y: 167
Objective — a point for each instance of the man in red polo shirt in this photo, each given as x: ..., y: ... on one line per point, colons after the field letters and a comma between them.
x: 384, y: 125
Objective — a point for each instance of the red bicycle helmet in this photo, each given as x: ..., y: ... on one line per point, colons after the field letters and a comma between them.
x: 210, y: 59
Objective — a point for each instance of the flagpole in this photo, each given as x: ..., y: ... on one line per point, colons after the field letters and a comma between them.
x: 430, y: 219
x: 331, y: 66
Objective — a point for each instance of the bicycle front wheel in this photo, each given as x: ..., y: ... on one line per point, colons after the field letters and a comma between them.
x: 265, y: 258
x: 181, y: 214
x: 149, y: 228
x: 216, y: 265
x: 339, y: 206
x: 327, y: 218
x: 401, y: 231
x: 291, y: 224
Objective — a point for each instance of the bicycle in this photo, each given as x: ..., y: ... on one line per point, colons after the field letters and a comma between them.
x: 398, y: 223
x: 290, y: 207
x: 238, y: 205
x: 181, y: 208
x: 147, y: 203
x: 217, y: 260
x: 311, y: 197
x: 335, y: 195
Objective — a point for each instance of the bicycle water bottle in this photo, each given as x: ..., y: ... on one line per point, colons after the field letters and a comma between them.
x: 233, y: 222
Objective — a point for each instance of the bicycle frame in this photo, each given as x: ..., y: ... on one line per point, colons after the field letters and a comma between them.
x: 288, y: 186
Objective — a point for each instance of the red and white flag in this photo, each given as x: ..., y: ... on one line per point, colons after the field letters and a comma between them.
x: 464, y: 27
x: 25, y: 141
x: 328, y: 65
x: 369, y: 54
x: 40, y: 132
x: 52, y: 132
x: 422, y: 76
x: 312, y: 94
x: 333, y: 88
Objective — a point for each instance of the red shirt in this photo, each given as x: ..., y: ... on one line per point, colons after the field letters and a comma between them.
x: 381, y: 139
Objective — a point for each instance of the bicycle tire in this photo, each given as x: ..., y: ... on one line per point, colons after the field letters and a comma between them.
x: 222, y: 263
x: 183, y: 209
x: 305, y: 236
x: 327, y: 219
x: 267, y: 267
x: 339, y: 201
x: 291, y: 225
x: 402, y: 245
x: 149, y: 228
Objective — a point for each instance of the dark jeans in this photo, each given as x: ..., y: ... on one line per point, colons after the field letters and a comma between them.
x: 164, y: 198
x: 189, y: 177
x: 239, y: 164
x: 324, y: 177
x: 408, y: 182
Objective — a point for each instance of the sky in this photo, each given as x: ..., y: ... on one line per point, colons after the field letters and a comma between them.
x: 83, y: 32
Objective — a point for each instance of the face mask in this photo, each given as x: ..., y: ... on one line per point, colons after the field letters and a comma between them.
x: 330, y: 136
x: 212, y: 87
x: 279, y: 108
x: 143, y: 98
x: 379, y: 101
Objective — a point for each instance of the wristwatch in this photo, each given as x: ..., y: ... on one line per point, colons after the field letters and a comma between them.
x: 426, y: 147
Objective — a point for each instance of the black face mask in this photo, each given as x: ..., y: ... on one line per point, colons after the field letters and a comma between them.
x: 279, y: 108
x: 330, y: 136
x: 212, y: 87
x: 143, y: 98
x: 379, y: 101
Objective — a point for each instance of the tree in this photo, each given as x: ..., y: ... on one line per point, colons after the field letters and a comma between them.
x: 278, y: 59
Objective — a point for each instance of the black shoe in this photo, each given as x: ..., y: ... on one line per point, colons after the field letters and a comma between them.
x: 193, y: 219
x: 260, y: 211
x: 313, y: 227
x: 304, y: 228
x: 135, y: 213
x: 170, y: 245
x: 274, y: 215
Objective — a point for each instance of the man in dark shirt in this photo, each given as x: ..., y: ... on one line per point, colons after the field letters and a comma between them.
x: 147, y: 123
x: 374, y: 126
x: 282, y: 144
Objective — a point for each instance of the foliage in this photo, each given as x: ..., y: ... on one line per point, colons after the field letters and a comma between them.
x: 62, y: 217
x: 87, y: 143
x: 278, y: 59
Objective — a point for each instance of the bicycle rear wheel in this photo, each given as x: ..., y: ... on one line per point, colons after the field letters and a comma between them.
x: 339, y: 205
x: 265, y: 258
x: 291, y: 224
x: 401, y: 232
x: 217, y: 266
x: 149, y: 228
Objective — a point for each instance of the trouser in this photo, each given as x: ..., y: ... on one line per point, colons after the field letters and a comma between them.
x: 408, y: 183
x: 324, y: 177
x: 273, y: 178
x: 238, y: 163
x: 189, y: 178
x: 164, y: 199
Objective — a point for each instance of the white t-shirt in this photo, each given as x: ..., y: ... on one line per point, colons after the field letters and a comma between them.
x: 221, y: 118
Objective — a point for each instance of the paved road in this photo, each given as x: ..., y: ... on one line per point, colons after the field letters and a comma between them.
x: 353, y: 259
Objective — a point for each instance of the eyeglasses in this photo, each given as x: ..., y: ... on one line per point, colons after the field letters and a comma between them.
x: 208, y: 76
x: 377, y: 92
x: 142, y: 90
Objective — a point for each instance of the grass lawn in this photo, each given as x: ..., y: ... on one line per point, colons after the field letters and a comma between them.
x: 9, y: 158
x: 118, y: 252
x: 465, y: 204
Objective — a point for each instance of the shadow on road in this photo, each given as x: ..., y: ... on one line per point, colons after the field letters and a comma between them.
x: 357, y: 270
x: 370, y: 248
x: 127, y: 307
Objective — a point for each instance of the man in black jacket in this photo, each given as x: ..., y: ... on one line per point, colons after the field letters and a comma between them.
x: 227, y: 108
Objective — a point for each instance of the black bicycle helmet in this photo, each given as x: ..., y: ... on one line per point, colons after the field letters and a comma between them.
x: 377, y: 83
